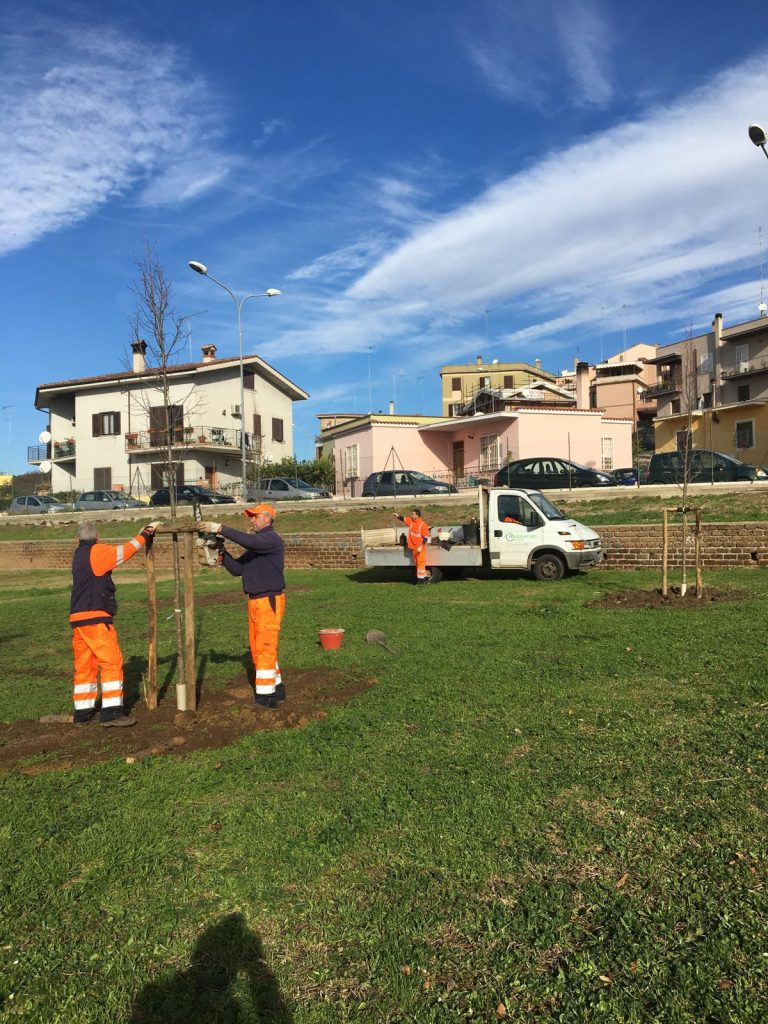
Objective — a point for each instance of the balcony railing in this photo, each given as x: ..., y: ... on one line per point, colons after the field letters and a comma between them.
x: 38, y: 453
x: 743, y: 369
x: 668, y: 383
x: 189, y: 437
x: 64, y: 449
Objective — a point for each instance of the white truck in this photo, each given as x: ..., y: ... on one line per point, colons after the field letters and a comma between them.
x: 515, y: 528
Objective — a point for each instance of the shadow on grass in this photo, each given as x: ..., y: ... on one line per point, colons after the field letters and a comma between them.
x: 227, y: 982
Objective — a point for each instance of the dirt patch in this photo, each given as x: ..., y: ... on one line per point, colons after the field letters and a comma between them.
x: 225, y: 715
x: 655, y: 598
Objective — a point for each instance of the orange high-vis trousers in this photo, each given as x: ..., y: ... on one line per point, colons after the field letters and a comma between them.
x: 420, y: 561
x: 95, y: 649
x: 265, y: 615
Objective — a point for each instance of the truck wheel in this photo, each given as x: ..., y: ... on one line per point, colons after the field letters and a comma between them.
x: 435, y: 574
x: 549, y: 567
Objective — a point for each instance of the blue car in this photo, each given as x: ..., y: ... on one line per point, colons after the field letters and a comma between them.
x: 628, y: 477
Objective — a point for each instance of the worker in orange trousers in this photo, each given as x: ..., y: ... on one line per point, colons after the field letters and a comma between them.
x: 418, y: 538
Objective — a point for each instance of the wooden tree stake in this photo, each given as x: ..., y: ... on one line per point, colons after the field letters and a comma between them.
x: 664, y: 552
x: 151, y: 691
x: 189, y: 622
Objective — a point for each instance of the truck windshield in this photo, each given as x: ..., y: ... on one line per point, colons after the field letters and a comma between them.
x: 545, y: 506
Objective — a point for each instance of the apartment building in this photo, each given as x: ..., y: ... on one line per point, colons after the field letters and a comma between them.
x: 721, y: 379
x: 110, y: 432
x: 461, y: 382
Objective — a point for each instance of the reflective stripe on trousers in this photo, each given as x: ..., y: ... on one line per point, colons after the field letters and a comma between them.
x: 265, y: 614
x: 420, y: 561
x: 95, y: 648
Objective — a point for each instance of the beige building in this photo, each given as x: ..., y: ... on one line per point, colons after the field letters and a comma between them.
x: 721, y: 379
x: 620, y: 387
x: 109, y: 432
x: 461, y: 382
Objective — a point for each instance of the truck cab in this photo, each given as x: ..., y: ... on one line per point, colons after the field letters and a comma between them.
x: 526, y: 531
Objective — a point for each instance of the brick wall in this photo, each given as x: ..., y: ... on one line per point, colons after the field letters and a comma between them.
x: 724, y: 545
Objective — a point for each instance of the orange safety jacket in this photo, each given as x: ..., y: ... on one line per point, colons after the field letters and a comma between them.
x: 93, y: 592
x: 418, y: 532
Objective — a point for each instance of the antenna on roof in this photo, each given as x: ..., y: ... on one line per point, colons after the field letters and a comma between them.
x: 761, y: 307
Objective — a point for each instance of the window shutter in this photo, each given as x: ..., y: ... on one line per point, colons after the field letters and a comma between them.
x: 117, y: 422
x: 96, y: 424
x: 277, y: 429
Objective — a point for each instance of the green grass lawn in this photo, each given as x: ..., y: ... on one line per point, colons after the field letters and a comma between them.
x: 556, y: 808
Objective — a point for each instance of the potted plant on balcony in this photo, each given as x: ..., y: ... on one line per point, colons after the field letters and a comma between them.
x: 132, y: 440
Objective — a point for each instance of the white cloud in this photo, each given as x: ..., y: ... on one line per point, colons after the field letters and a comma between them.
x: 340, y: 262
x: 87, y: 114
x: 586, y: 44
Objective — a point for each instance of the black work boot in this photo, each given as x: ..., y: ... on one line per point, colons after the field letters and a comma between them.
x: 83, y: 717
x: 280, y: 691
x: 266, y: 700
x: 121, y: 720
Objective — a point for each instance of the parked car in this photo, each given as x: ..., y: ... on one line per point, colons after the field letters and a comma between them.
x: 705, y: 466
x: 286, y: 488
x: 404, y: 482
x: 542, y: 473
x: 189, y: 494
x: 628, y: 476
x: 91, y: 501
x: 36, y: 505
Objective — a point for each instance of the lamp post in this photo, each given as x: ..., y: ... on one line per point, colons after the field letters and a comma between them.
x: 758, y: 136
x: 200, y: 268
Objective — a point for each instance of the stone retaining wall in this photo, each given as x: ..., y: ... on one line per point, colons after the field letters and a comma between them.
x: 725, y: 545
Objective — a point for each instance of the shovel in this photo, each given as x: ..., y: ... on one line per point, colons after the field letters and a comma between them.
x: 375, y: 636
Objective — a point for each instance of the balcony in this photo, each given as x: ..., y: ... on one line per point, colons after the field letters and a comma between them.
x: 38, y: 453
x: 667, y: 384
x: 736, y: 370
x: 63, y: 450
x: 208, y: 438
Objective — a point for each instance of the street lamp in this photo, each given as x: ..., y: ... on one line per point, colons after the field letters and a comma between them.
x: 200, y: 268
x: 758, y: 137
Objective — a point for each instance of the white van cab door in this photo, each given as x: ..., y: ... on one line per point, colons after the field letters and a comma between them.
x: 514, y: 528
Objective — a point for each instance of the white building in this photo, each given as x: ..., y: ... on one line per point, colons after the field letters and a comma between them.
x: 109, y: 432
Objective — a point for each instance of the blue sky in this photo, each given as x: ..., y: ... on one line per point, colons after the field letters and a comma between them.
x: 425, y: 181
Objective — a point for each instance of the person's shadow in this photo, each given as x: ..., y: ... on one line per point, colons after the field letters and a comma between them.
x: 227, y: 982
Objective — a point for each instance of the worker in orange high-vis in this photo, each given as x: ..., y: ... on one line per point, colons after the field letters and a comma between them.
x: 92, y: 610
x: 418, y: 538
x: 261, y: 567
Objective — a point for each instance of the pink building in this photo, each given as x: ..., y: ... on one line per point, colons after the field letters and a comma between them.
x: 463, y: 448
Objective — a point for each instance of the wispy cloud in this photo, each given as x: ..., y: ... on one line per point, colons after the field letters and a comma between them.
x: 87, y: 114
x: 653, y: 215
x: 341, y: 262
x: 527, y: 50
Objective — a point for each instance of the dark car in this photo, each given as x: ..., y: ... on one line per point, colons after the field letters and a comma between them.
x: 704, y: 467
x: 92, y: 501
x: 390, y: 483
x: 542, y: 472
x: 628, y: 476
x: 190, y: 494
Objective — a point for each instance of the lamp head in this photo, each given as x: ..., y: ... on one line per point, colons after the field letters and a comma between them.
x: 272, y: 292
x: 757, y: 135
x: 199, y: 268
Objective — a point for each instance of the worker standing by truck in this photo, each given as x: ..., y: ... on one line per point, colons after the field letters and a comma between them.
x: 418, y: 538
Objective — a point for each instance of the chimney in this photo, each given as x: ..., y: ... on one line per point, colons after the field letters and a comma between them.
x: 479, y: 360
x: 537, y: 363
x: 582, y: 385
x: 209, y: 353
x: 391, y: 408
x: 139, y: 349
x: 717, y: 325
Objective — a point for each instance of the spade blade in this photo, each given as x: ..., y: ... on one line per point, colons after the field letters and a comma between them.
x: 375, y: 636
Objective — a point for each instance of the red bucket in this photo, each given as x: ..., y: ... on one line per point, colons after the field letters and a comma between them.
x: 330, y: 639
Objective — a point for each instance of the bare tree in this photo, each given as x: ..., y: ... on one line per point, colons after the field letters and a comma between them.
x: 155, y: 322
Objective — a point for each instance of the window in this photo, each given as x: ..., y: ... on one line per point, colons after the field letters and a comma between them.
x: 249, y: 380
x: 742, y: 393
x: 606, y: 453
x: 105, y: 424
x: 159, y: 475
x: 684, y: 440
x: 277, y: 429
x: 157, y: 432
x: 349, y: 461
x: 509, y: 381
x: 455, y: 383
x: 257, y: 428
x: 485, y: 382
x: 706, y: 363
x: 489, y: 452
x: 102, y: 479
x: 706, y: 400
x: 742, y: 354
x: 278, y: 485
x: 745, y: 434
x: 674, y: 406
x: 454, y: 409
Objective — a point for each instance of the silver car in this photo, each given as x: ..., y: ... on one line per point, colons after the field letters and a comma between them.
x: 286, y: 488
x: 92, y: 501
x: 36, y: 505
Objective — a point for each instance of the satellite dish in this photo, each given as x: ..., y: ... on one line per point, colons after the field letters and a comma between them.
x: 44, y: 437
x: 45, y: 467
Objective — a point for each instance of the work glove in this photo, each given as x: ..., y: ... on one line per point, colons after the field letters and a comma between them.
x: 149, y: 529
x: 209, y: 527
